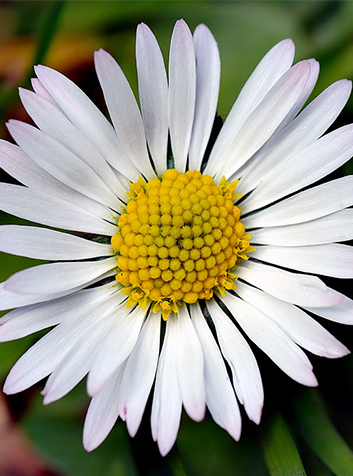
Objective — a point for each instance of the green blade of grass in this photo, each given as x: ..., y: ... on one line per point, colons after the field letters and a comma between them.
x: 320, y: 434
x: 280, y: 452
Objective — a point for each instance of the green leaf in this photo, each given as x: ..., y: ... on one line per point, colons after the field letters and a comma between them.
x: 320, y: 434
x: 280, y: 453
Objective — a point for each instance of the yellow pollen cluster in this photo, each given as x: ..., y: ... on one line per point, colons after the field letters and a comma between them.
x: 178, y: 238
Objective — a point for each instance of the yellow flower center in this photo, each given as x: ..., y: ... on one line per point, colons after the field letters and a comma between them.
x: 178, y: 239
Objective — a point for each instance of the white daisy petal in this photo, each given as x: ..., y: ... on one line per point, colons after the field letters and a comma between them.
x: 190, y: 367
x: 139, y: 374
x: 220, y: 396
x: 153, y: 93
x: 182, y: 92
x: 122, y: 336
x: 41, y: 208
x: 299, y: 327
x: 303, y: 130
x: 295, y: 288
x: 273, y: 65
x: 87, y: 118
x: 166, y: 405
x: 342, y: 312
x: 57, y: 277
x: 333, y: 259
x: 40, y: 90
x: 208, y: 72
x: 296, y: 171
x: 16, y: 163
x: 10, y: 299
x: 332, y: 228
x: 78, y: 360
x: 102, y: 412
x: 123, y: 111
x: 63, y: 131
x: 272, y: 340
x: 246, y: 375
x: 264, y: 119
x: 29, y: 319
x: 42, y: 243
x: 313, y: 203
x: 61, y: 163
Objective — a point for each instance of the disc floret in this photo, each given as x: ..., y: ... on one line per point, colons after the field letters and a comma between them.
x: 178, y: 240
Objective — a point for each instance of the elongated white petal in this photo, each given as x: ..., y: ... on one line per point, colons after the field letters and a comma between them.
x: 140, y: 373
x: 52, y: 211
x: 298, y: 134
x: 208, y: 72
x: 153, y: 93
x: 190, y: 367
x: 40, y: 90
x: 166, y: 404
x: 28, y: 319
x: 263, y: 121
x: 123, y: 111
x: 87, y: 118
x: 272, y: 340
x: 297, y: 170
x: 103, y: 412
x: 42, y: 243
x: 63, y: 130
x: 313, y: 203
x: 332, y: 228
x: 11, y: 299
x: 294, y: 288
x: 342, y: 312
x: 334, y: 259
x: 123, y: 336
x: 44, y: 356
x: 299, y: 327
x: 61, y: 163
x: 246, y: 375
x: 182, y: 92
x: 273, y: 65
x: 307, y: 90
x: 17, y: 164
x: 78, y: 360
x: 57, y: 277
x: 220, y: 396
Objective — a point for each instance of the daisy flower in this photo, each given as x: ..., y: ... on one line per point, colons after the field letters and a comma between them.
x: 163, y: 252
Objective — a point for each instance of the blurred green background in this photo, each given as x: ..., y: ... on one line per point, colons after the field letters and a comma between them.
x: 296, y: 421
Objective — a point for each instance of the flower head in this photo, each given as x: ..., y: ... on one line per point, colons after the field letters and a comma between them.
x: 162, y: 241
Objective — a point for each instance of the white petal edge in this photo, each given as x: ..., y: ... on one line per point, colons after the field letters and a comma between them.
x: 182, y: 92
x: 245, y: 371
x: 43, y: 243
x: 115, y: 348
x: 295, y: 288
x: 153, y: 94
x: 87, y: 118
x: 262, y: 122
x: 308, y: 205
x: 167, y: 404
x: 208, y: 73
x: 139, y: 374
x: 123, y: 110
x: 272, y: 66
x: 190, y: 367
x: 272, y: 340
x: 220, y: 396
x: 332, y: 228
x: 298, y: 325
x: 57, y: 277
x: 44, y: 209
